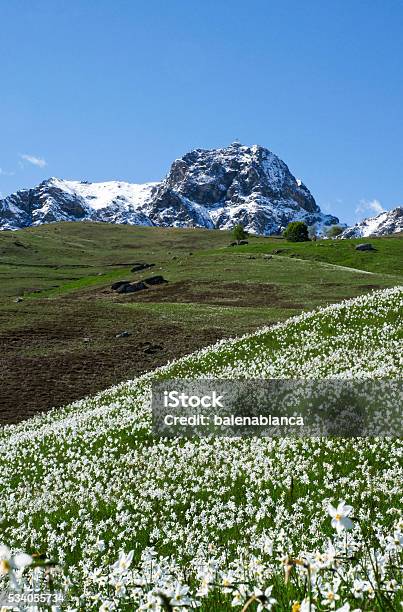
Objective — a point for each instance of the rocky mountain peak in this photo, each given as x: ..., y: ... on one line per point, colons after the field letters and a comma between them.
x: 233, y: 173
x: 213, y: 188
x: 235, y: 184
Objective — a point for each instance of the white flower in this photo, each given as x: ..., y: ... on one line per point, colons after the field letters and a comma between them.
x: 330, y: 594
x: 268, y: 546
x: 392, y: 585
x: 152, y: 602
x: 340, y: 520
x: 227, y: 581
x: 20, y: 560
x: 239, y: 596
x: 204, y: 586
x: 100, y: 545
x: 395, y: 542
x: 179, y: 596
x: 9, y: 563
x: 361, y: 587
x: 266, y: 601
x: 107, y: 606
x: 124, y: 561
x: 306, y: 606
x: 119, y: 584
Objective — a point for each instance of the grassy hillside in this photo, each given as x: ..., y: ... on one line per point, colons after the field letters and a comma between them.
x: 218, y: 522
x: 67, y: 253
x: 61, y: 339
x: 74, y: 255
x: 385, y: 259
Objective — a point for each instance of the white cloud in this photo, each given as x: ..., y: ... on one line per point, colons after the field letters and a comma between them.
x: 369, y: 207
x: 36, y: 161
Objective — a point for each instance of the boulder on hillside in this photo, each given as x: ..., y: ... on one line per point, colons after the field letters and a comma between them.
x: 132, y: 287
x: 155, y: 280
x: 137, y: 267
x: 123, y: 334
x: 118, y: 284
x: 366, y: 246
x: 153, y: 348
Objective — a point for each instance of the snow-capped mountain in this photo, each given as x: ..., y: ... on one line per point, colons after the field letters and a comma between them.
x: 388, y: 222
x: 206, y: 188
x: 237, y: 184
x: 59, y: 200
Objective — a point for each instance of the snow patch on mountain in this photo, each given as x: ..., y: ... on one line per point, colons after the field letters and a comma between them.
x: 102, y: 195
x: 387, y: 222
x: 59, y: 200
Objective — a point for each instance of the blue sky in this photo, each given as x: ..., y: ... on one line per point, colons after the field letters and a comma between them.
x: 115, y: 89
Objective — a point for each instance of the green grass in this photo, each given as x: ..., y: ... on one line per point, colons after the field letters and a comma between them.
x: 64, y: 272
x: 60, y: 253
x: 387, y: 259
x: 75, y: 256
x: 208, y: 316
x: 243, y: 288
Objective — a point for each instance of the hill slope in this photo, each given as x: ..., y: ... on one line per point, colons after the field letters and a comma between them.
x: 205, y: 188
x: 212, y: 514
x: 385, y: 258
x: 61, y: 339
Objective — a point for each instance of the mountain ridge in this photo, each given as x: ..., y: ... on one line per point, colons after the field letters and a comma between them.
x: 212, y: 188
x: 386, y: 223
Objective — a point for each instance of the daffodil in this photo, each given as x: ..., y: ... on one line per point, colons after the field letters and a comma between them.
x: 179, y: 596
x: 152, y: 602
x: 330, y: 594
x: 9, y: 563
x: 266, y: 601
x: 395, y: 542
x: 124, y: 561
x: 100, y: 545
x: 340, y: 520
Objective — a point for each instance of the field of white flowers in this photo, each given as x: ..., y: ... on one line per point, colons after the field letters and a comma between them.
x: 120, y: 520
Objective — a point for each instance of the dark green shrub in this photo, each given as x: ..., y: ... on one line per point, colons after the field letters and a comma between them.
x: 296, y: 231
x: 239, y: 233
x: 334, y: 231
